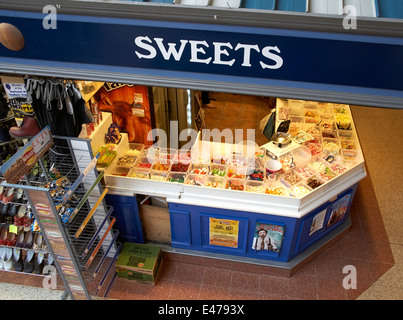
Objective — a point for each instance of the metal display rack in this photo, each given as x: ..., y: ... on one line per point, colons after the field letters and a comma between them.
x: 75, y: 222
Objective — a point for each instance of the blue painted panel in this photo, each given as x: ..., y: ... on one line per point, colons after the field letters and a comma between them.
x: 291, y: 5
x: 258, y: 4
x: 180, y: 228
x: 127, y: 217
x: 248, y: 222
x: 390, y: 8
x: 310, y: 231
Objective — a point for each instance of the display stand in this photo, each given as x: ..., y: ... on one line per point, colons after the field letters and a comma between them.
x: 74, y: 220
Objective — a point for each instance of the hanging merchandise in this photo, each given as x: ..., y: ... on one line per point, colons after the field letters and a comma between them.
x: 59, y: 104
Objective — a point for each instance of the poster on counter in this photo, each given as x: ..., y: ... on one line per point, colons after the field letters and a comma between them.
x: 268, y: 237
x: 224, y: 232
x: 317, y: 222
x: 338, y: 210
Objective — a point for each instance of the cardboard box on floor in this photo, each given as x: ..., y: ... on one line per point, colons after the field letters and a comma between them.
x: 139, y: 262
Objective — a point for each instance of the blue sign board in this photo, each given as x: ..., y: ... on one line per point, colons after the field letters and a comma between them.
x: 209, y: 52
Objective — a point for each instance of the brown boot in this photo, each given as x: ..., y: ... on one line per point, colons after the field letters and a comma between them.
x: 28, y: 129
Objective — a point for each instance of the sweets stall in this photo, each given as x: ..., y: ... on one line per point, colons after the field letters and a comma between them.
x: 227, y: 184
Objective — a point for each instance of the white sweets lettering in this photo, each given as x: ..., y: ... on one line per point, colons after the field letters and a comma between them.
x: 196, y: 52
x: 218, y: 51
x: 139, y: 41
x: 246, y: 53
x: 172, y: 49
x: 266, y: 51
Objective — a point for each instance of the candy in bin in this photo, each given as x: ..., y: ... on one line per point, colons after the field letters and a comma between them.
x: 57, y: 193
x: 63, y: 182
x: 113, y: 135
x: 64, y: 211
x: 54, y: 173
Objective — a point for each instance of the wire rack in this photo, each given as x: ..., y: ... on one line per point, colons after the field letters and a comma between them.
x: 84, y: 220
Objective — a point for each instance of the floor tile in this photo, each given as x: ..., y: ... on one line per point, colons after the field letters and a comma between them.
x: 184, y: 291
x: 190, y: 273
x: 245, y: 282
x: 217, y: 277
x: 214, y: 292
x: 274, y: 287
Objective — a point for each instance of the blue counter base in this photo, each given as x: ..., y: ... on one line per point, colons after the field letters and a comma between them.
x: 285, y: 269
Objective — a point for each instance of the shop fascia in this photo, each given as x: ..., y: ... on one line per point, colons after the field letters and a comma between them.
x: 147, y: 48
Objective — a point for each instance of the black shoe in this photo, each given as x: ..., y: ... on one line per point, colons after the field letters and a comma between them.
x: 2, y: 216
x: 9, y: 217
x: 17, y: 260
x: 13, y: 209
x: 4, y: 209
x: 39, y: 262
x: 29, y: 261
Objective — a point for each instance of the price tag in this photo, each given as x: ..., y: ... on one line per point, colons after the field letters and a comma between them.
x: 13, y: 229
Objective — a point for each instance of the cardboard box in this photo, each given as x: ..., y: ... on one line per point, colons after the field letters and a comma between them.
x: 139, y: 262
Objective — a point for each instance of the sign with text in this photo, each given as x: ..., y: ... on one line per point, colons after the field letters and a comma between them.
x: 188, y: 50
x: 25, y: 158
x: 224, y: 232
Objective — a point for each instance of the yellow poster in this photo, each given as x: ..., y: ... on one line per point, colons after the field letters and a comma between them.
x: 224, y: 232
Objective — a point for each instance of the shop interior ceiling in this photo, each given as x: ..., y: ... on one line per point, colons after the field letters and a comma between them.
x: 324, y: 16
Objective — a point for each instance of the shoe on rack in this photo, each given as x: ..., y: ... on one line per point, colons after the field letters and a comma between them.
x: 27, y: 220
x: 2, y: 216
x: 8, y: 259
x: 11, y: 239
x: 4, y: 209
x: 38, y: 241
x: 39, y: 262
x: 2, y: 256
x: 29, y: 261
x: 29, y: 240
x: 8, y: 196
x: 20, y: 239
x: 12, y: 211
x: 18, y: 196
x: 28, y: 129
x: 17, y: 260
x: 3, y: 236
x: 19, y: 218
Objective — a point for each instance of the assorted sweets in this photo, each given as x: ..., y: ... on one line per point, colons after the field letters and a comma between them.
x: 328, y: 148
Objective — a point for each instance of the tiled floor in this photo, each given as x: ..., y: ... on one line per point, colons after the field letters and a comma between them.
x: 373, y: 245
